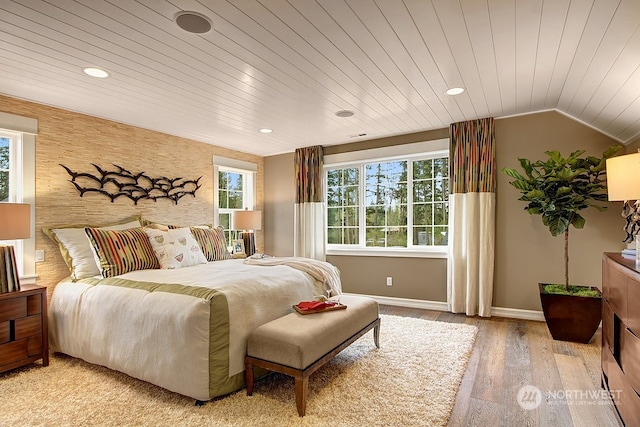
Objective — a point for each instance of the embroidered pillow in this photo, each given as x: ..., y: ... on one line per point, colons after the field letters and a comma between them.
x: 76, y: 248
x: 175, y: 247
x: 212, y: 242
x: 121, y: 251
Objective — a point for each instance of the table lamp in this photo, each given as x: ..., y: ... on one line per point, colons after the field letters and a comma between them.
x: 623, y: 184
x: 248, y: 221
x: 14, y: 224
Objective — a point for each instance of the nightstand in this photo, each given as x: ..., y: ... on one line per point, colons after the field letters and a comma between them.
x: 24, y: 337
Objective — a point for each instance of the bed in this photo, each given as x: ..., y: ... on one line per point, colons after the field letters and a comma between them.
x: 183, y: 329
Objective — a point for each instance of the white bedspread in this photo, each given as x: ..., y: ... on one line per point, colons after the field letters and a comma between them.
x: 130, y: 330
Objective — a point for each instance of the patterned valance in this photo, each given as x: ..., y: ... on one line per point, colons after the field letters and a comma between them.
x: 473, y: 156
x: 309, y: 162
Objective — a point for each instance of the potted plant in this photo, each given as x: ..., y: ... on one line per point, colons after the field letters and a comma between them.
x: 557, y: 189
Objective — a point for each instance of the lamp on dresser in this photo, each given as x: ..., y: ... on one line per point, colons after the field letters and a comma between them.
x: 248, y: 221
x: 14, y: 225
x: 623, y: 184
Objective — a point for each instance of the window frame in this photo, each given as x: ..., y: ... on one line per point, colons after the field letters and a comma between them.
x: 410, y: 152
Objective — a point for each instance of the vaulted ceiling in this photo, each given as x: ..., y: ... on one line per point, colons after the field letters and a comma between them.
x: 290, y: 65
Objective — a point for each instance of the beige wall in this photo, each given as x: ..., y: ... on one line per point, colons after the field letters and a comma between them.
x: 634, y: 147
x: 526, y: 253
x: 278, y: 205
x: 77, y: 140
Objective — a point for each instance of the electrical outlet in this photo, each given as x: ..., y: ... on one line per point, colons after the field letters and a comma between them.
x: 389, y: 281
x: 40, y: 255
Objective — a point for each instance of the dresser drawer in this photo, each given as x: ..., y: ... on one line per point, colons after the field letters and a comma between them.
x: 13, y: 308
x: 607, y: 326
x: 616, y: 289
x: 629, y: 407
x: 607, y: 364
x: 633, y: 304
x: 630, y: 357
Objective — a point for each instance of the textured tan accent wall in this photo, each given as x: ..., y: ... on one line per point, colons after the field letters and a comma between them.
x: 77, y: 140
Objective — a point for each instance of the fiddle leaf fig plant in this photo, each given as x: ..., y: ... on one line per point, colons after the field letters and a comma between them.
x: 558, y: 188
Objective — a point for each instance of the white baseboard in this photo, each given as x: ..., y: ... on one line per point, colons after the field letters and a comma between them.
x: 513, y: 313
x: 517, y: 313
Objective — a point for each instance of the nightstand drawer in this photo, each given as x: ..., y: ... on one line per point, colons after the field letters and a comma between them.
x: 28, y: 326
x: 34, y: 345
x: 34, y: 304
x: 5, y: 332
x: 13, y: 308
x: 14, y: 351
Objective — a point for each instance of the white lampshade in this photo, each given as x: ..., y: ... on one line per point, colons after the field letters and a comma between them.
x: 246, y: 220
x: 14, y: 221
x: 623, y: 177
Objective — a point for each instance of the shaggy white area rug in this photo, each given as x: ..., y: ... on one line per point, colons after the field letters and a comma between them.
x: 411, y: 380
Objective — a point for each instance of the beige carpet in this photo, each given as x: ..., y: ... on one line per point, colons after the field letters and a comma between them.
x: 411, y: 380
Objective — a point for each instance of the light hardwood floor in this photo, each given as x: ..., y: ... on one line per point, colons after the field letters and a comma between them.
x: 509, y: 354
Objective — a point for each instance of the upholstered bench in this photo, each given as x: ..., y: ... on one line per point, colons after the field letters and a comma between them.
x: 297, y: 345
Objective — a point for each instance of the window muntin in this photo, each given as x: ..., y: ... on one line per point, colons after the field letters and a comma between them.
x: 405, y: 203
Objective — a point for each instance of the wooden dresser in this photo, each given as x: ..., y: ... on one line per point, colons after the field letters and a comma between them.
x: 23, y: 327
x: 621, y: 335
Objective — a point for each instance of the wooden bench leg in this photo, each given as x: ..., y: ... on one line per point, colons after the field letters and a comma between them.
x: 302, y: 385
x: 248, y: 378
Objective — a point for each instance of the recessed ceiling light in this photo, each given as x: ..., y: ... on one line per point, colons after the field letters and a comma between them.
x: 96, y: 72
x: 344, y: 113
x: 193, y: 22
x: 266, y: 130
x: 454, y: 91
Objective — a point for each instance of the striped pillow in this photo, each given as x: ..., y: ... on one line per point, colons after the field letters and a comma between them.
x: 212, y: 242
x: 121, y: 251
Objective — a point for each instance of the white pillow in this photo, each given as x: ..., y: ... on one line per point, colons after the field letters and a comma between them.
x: 175, y: 248
x: 75, y: 241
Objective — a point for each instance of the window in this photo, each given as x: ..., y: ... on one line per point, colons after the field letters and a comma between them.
x: 17, y: 181
x: 5, y: 166
x: 232, y: 197
x: 235, y: 184
x: 398, y: 203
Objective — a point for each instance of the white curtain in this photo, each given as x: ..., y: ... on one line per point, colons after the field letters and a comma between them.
x: 471, y: 217
x: 309, y: 232
x: 309, y: 223
x: 471, y: 253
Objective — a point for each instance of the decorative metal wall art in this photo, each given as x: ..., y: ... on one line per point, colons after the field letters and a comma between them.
x: 139, y: 186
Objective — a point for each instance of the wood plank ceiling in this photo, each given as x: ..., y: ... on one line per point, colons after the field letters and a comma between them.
x: 290, y: 65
